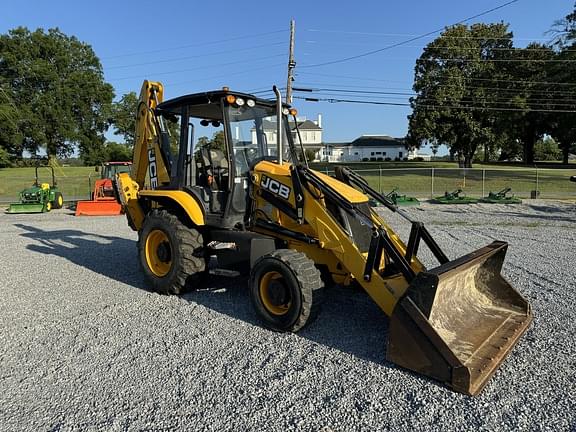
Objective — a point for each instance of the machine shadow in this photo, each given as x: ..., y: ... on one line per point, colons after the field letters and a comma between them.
x: 87, y: 250
x: 349, y: 321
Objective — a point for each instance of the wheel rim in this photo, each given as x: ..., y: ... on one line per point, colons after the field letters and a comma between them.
x: 274, y: 293
x: 48, y: 206
x: 60, y: 200
x: 158, y: 253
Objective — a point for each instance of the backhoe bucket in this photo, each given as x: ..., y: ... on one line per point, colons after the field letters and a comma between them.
x: 26, y: 208
x: 458, y: 321
x: 98, y: 208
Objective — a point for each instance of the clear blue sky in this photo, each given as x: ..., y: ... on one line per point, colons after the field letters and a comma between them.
x: 194, y: 46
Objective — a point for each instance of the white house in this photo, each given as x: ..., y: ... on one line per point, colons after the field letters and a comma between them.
x: 373, y: 148
x: 310, y: 132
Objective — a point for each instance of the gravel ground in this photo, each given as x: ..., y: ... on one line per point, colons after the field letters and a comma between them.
x: 85, y: 347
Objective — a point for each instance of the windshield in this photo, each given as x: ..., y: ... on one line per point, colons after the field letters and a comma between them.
x: 110, y: 171
x: 254, y: 136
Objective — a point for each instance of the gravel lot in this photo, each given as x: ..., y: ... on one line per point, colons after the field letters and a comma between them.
x: 85, y: 347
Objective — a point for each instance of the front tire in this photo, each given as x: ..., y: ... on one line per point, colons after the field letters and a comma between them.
x: 58, y: 202
x: 286, y: 290
x: 170, y: 253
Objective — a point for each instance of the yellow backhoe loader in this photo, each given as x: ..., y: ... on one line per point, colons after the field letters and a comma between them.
x: 241, y: 197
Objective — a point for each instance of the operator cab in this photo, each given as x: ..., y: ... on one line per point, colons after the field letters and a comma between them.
x: 110, y: 169
x: 215, y: 138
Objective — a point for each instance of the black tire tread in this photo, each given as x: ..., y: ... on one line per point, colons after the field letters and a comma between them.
x: 310, y: 280
x: 55, y: 204
x: 189, y: 240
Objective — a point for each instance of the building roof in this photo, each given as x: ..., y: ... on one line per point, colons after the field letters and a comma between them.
x: 377, y: 141
x: 302, y: 125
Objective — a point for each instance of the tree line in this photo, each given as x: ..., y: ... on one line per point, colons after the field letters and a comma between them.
x: 474, y: 92
x: 484, y: 98
x: 53, y: 97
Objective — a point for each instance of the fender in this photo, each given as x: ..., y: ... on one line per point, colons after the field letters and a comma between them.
x: 182, y: 199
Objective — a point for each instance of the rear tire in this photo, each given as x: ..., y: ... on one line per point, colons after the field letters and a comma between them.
x: 170, y: 253
x: 58, y: 202
x: 286, y: 290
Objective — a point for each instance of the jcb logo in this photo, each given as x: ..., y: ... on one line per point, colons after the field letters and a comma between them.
x: 153, y: 170
x: 275, y: 187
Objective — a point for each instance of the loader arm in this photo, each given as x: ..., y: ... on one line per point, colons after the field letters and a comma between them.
x: 149, y: 155
x: 151, y: 165
x: 455, y: 323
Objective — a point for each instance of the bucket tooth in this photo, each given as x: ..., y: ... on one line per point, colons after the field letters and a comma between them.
x: 458, y: 322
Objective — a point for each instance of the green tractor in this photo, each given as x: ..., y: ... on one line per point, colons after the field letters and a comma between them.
x: 39, y: 198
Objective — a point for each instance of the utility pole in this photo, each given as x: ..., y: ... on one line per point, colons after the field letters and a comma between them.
x: 291, y: 64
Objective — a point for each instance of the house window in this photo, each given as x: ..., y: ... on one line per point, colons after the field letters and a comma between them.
x: 355, y: 153
x: 378, y: 153
x: 371, y: 153
x: 400, y: 154
x: 384, y: 153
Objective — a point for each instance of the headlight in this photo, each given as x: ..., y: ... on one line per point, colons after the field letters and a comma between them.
x: 239, y: 101
x: 285, y: 111
x: 250, y: 103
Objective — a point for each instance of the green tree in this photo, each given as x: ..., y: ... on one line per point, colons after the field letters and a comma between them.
x: 10, y: 136
x: 117, y: 152
x: 310, y: 154
x: 531, y: 95
x: 564, y: 30
x: 217, y: 142
x: 546, y: 149
x: 564, y: 72
x: 124, y: 117
x: 57, y: 84
x: 454, y: 105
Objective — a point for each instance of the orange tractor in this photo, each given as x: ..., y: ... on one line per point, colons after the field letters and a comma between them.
x: 103, y: 202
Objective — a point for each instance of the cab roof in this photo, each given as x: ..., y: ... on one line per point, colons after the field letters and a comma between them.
x: 210, y: 97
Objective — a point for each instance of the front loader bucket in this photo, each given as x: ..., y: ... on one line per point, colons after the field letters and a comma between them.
x: 26, y: 208
x: 458, y: 321
x: 98, y: 208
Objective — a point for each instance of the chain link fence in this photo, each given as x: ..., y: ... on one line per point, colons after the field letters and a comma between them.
x: 426, y: 183
x: 423, y: 183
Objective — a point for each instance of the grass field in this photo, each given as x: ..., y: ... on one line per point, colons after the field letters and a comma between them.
x: 74, y: 182
x: 421, y: 179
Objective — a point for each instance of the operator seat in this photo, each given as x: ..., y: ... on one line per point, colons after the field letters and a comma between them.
x: 213, y: 169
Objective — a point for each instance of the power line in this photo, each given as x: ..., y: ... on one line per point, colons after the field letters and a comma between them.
x: 409, y: 40
x: 466, y: 98
x: 466, y: 107
x: 199, y: 67
x: 415, y: 35
x: 195, y: 45
x: 518, y: 91
x: 478, y: 48
x: 194, y: 56
x: 459, y: 59
x: 466, y: 78
x: 413, y: 94
x: 227, y: 75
